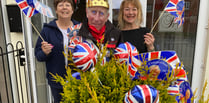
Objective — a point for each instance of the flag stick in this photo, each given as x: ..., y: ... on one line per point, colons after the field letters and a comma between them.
x: 158, y: 19
x: 34, y: 28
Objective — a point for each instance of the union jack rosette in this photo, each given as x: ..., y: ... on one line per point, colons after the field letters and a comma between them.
x: 85, y: 55
x: 73, y: 30
x: 142, y: 94
x: 183, y: 90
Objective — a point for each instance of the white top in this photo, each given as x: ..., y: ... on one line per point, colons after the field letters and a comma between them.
x: 65, y: 44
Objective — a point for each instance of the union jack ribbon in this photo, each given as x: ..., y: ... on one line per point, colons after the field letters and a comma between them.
x: 142, y: 94
x: 180, y: 74
x: 26, y: 9
x: 173, y: 90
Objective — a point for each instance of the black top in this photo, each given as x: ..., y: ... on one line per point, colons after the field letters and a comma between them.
x: 136, y: 38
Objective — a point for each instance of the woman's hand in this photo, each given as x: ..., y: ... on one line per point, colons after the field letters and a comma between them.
x: 149, y: 40
x: 46, y: 47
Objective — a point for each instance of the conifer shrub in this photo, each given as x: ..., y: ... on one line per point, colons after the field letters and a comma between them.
x: 108, y: 83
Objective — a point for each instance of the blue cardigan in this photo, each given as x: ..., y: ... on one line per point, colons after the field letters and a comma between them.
x: 55, y: 61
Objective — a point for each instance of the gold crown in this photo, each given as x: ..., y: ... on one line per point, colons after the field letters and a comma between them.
x: 103, y: 3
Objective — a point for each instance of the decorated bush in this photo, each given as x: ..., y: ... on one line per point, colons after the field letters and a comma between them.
x: 114, y: 82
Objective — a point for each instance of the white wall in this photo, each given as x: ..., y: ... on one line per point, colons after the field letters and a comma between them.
x: 201, y: 49
x: 207, y: 63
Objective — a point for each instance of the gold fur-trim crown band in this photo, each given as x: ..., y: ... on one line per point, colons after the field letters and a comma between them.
x: 102, y: 3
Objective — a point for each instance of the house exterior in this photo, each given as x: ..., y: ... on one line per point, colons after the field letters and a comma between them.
x: 190, y: 41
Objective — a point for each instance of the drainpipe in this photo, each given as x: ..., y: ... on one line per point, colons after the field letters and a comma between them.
x: 30, y: 63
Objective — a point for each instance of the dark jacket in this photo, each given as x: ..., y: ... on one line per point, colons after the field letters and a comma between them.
x: 112, y: 34
x: 55, y: 61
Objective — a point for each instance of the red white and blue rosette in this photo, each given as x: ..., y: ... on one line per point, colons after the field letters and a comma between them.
x: 166, y: 62
x: 73, y: 30
x: 85, y: 55
x: 142, y: 94
x: 183, y: 90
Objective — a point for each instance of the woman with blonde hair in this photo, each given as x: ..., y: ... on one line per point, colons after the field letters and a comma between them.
x: 129, y: 22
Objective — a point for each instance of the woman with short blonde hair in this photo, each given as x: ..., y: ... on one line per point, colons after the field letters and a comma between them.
x: 129, y: 22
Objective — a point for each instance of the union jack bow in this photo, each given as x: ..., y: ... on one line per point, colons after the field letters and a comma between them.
x: 125, y: 52
x: 85, y: 55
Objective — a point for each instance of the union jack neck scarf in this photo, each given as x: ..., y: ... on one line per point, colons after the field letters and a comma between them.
x: 97, y: 34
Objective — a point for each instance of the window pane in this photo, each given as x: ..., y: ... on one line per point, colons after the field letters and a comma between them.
x: 171, y: 37
x: 168, y: 36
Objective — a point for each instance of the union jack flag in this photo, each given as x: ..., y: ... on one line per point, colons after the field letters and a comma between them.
x: 43, y: 9
x: 85, y: 56
x: 26, y: 9
x: 176, y: 8
x: 142, y: 94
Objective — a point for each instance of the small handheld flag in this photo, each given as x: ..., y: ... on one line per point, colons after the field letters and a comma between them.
x: 32, y: 7
x: 41, y: 8
x: 176, y: 8
x: 26, y: 9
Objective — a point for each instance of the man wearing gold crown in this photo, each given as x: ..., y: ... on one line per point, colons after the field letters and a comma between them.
x: 97, y: 27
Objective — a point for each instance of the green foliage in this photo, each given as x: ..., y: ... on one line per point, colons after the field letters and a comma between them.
x: 108, y: 83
